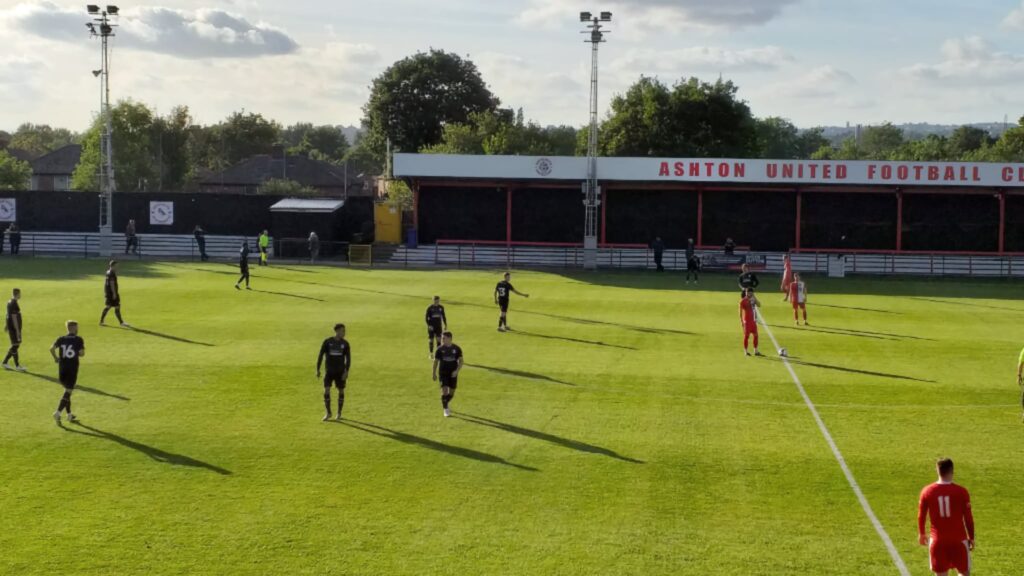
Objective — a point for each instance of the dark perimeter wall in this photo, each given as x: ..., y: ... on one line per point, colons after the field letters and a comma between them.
x: 226, y: 214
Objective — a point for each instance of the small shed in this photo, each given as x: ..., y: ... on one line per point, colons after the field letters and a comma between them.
x: 294, y: 218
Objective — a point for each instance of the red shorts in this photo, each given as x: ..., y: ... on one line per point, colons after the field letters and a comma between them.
x: 945, y: 556
x: 749, y: 328
x: 799, y: 305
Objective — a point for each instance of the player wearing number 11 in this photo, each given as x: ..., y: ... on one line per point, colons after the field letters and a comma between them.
x: 66, y: 351
x: 951, y: 538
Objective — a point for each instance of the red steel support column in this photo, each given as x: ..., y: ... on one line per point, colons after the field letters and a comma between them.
x: 508, y: 216
x: 700, y: 216
x: 899, y: 221
x: 799, y: 206
x: 604, y: 214
x: 1002, y: 222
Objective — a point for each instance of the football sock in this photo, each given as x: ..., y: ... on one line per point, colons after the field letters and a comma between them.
x: 104, y: 315
x: 10, y: 354
x: 341, y: 402
x: 117, y: 312
x: 445, y: 398
x: 65, y: 402
x: 327, y: 400
x: 431, y: 345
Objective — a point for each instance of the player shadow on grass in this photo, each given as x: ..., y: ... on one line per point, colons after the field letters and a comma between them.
x: 538, y: 435
x: 971, y: 304
x: 794, y: 360
x: 414, y: 440
x: 85, y: 389
x: 820, y: 305
x: 570, y: 339
x: 165, y: 336
x: 855, y: 333
x: 153, y: 452
x: 520, y: 374
x: 299, y: 296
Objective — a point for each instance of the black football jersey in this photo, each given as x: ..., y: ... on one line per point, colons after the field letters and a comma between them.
x: 69, y: 347
x: 448, y: 358
x: 338, y: 354
x: 504, y: 288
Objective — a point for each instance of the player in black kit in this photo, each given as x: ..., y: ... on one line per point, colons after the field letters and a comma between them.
x: 112, y: 293
x: 66, y: 351
x: 437, y: 323
x: 12, y: 325
x: 502, y: 292
x: 243, y: 265
x: 447, y: 361
x: 339, y: 360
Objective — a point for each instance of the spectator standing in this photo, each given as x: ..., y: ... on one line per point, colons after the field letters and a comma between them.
x: 15, y: 236
x: 659, y: 252
x: 730, y: 247
x: 131, y: 241
x: 314, y: 246
x: 264, y: 244
x: 200, y: 235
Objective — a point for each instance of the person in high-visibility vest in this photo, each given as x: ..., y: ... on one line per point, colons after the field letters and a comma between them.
x: 264, y: 243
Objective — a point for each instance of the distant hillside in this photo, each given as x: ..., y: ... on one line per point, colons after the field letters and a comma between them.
x: 836, y: 134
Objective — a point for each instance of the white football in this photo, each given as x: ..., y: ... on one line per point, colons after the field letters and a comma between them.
x: 783, y: 352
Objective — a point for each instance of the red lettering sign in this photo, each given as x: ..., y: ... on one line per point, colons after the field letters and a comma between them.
x: 664, y: 169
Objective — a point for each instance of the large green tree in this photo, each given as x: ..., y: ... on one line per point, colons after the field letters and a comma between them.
x: 412, y: 101
x: 132, y: 141
x: 170, y: 148
x: 14, y: 174
x: 39, y: 139
x: 779, y: 138
x: 502, y: 132
x: 693, y: 118
x: 967, y: 139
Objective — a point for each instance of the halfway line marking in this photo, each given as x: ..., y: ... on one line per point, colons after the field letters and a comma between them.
x: 896, y: 558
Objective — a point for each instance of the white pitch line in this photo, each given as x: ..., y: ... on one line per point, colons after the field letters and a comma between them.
x: 896, y: 558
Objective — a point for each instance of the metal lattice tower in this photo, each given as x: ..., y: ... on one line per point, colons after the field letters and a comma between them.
x: 102, y: 28
x: 591, y: 188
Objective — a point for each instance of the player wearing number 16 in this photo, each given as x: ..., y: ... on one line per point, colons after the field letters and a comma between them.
x: 951, y: 538
x: 66, y: 351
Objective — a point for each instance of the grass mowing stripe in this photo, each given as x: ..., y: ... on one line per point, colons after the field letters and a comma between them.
x: 896, y: 558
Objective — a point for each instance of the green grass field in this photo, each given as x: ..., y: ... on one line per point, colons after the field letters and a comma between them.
x: 618, y: 431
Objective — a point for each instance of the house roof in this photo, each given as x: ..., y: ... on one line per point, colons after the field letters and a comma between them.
x: 262, y: 167
x: 23, y: 155
x: 59, y: 162
x: 308, y: 205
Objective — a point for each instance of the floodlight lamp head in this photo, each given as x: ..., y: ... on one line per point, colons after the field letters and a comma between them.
x: 112, y: 10
x: 585, y: 16
x: 91, y: 27
x: 97, y: 73
x: 106, y: 29
x: 606, y: 16
x: 93, y: 9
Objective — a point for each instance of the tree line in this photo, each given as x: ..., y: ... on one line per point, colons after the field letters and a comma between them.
x: 438, y: 102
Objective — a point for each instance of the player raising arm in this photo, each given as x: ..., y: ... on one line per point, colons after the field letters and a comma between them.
x: 437, y: 323
x: 502, y: 292
x: 339, y: 360
x: 447, y: 361
x: 951, y: 538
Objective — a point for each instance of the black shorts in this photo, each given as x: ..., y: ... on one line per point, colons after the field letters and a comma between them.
x: 15, y: 337
x: 334, y: 378
x: 434, y: 330
x: 691, y: 265
x: 449, y: 381
x: 113, y: 302
x: 503, y: 304
x: 68, y: 377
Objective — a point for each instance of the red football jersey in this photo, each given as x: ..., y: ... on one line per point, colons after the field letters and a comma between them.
x: 747, y: 307
x: 948, y: 506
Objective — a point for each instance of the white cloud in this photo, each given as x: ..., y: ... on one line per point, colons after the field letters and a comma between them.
x: 1015, y: 19
x: 970, y: 61
x: 202, y: 33
x: 821, y: 82
x: 548, y: 97
x: 663, y: 14
x: 683, y: 61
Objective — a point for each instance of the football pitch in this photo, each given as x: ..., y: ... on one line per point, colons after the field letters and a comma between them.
x: 618, y: 430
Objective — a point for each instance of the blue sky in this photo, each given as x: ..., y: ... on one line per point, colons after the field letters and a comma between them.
x: 812, y: 61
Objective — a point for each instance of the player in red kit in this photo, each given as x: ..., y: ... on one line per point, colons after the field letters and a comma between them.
x: 748, y: 320
x: 787, y: 276
x: 951, y: 539
x: 798, y: 297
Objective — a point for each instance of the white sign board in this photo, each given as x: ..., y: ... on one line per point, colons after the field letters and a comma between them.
x: 161, y: 213
x: 696, y: 170
x: 8, y: 210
